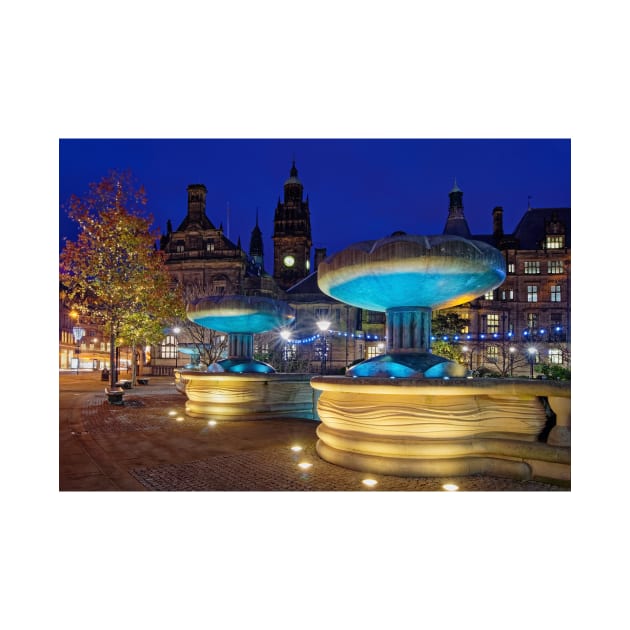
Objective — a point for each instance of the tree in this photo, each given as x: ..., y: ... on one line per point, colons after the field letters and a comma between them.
x: 210, y: 345
x: 114, y: 271
x: 449, y: 324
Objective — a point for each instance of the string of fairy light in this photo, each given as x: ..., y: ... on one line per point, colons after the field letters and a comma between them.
x: 527, y: 335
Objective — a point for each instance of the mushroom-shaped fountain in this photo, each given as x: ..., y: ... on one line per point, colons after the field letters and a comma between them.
x: 409, y: 412
x: 241, y: 387
x: 241, y: 316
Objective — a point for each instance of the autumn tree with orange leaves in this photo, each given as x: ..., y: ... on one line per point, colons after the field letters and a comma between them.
x: 113, y: 271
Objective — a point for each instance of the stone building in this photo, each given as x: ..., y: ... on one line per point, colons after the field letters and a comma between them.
x: 203, y: 261
x: 292, y: 234
x: 89, y: 350
x: 527, y: 320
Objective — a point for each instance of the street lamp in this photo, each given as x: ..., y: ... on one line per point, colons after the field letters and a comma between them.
x: 323, y: 326
x: 512, y: 351
x: 531, y: 356
x: 78, y: 333
x: 286, y: 335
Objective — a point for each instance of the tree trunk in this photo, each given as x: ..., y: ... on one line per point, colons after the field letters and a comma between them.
x: 134, y: 373
x: 113, y: 368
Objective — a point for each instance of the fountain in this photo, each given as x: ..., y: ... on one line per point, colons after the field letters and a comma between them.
x: 409, y: 412
x: 241, y: 387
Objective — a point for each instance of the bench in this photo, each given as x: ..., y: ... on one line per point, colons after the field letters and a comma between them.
x: 123, y: 383
x: 114, y: 396
x: 142, y: 381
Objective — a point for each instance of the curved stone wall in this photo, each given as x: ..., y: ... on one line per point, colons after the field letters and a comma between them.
x: 228, y: 396
x: 438, y: 427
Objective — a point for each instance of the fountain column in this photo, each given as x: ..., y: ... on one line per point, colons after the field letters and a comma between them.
x: 240, y: 346
x: 408, y: 329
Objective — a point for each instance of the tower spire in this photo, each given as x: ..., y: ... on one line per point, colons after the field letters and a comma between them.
x: 456, y: 223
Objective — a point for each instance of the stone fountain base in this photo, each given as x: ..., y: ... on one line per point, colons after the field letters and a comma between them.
x: 250, y: 396
x: 443, y: 427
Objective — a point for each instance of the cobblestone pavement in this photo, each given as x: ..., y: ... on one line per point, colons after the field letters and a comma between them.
x: 150, y: 444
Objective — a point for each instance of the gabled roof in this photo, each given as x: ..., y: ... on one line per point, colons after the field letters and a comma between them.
x: 531, y: 228
x: 193, y: 224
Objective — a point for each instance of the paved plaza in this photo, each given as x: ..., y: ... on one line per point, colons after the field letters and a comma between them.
x: 150, y: 444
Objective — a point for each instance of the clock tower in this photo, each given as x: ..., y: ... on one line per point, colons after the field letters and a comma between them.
x: 292, y: 234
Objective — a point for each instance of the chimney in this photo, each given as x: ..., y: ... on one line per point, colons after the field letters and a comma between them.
x: 320, y: 254
x: 497, y: 222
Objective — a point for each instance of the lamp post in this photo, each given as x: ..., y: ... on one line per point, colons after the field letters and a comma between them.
x: 512, y: 351
x: 176, y: 332
x: 323, y: 326
x: 466, y: 349
x: 78, y: 334
x: 286, y: 335
x: 531, y: 356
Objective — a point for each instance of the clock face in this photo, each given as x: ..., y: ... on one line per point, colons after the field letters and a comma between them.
x: 288, y: 261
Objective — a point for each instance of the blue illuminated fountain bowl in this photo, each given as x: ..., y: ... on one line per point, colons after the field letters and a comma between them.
x: 241, y: 316
x: 407, y: 276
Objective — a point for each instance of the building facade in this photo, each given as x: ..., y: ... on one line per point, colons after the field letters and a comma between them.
x: 292, y: 234
x: 524, y: 322
x: 527, y: 320
x: 83, y: 346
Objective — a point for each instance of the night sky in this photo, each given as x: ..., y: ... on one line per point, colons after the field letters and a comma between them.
x: 359, y: 189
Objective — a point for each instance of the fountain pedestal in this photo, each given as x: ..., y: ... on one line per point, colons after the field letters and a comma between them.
x: 435, y: 427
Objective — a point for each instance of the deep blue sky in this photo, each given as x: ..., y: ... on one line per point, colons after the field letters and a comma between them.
x: 358, y: 189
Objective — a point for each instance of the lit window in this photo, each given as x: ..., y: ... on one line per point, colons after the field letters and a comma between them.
x: 532, y: 320
x: 492, y: 353
x: 555, y: 242
x: 555, y: 293
x: 180, y: 249
x: 555, y: 266
x: 168, y: 347
x: 511, y: 268
x: 532, y: 266
x: 210, y: 246
x: 492, y: 323
x: 532, y: 293
x: 555, y: 356
x: 489, y: 295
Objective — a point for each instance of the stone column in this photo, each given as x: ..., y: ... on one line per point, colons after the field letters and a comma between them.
x: 408, y: 329
x: 240, y: 346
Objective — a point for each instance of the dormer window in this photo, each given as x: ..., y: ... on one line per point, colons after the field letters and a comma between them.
x: 555, y: 241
